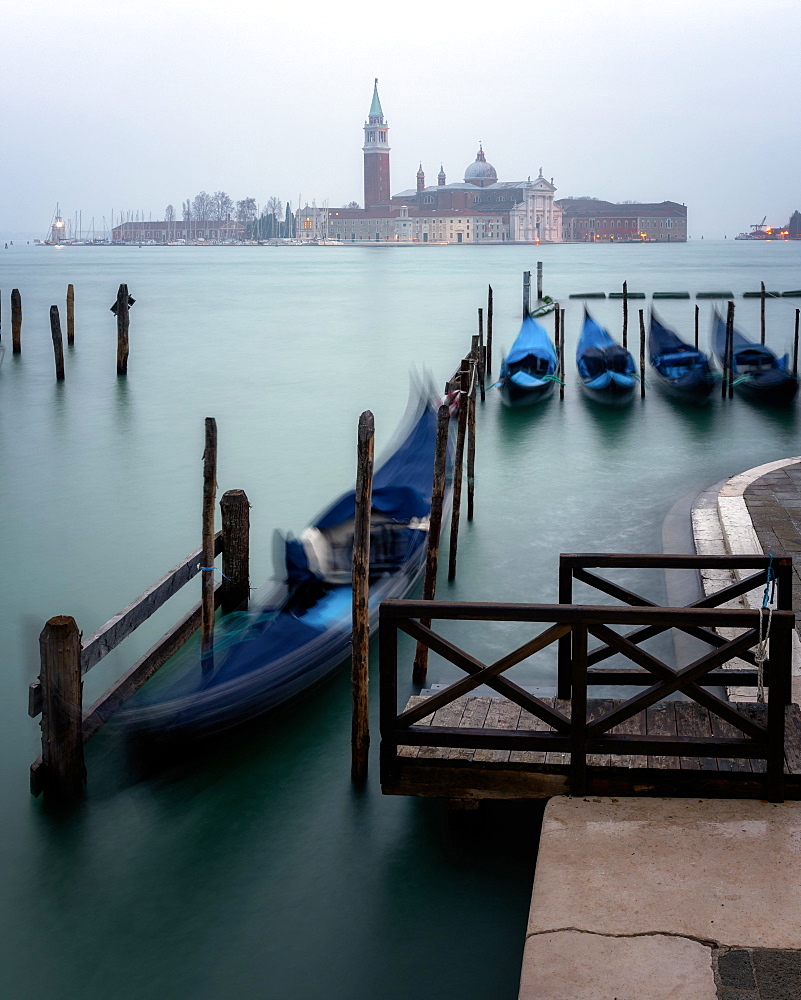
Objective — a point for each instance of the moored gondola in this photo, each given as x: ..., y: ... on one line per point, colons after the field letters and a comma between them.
x: 302, y: 632
x: 680, y: 369
x: 529, y: 370
x: 759, y: 375
x: 607, y: 370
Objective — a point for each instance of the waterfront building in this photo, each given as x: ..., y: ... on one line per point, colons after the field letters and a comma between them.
x: 590, y: 220
x: 477, y: 209
x: 141, y: 231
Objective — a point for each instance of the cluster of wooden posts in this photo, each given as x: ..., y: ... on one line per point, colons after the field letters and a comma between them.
x: 57, y: 694
x: 120, y: 308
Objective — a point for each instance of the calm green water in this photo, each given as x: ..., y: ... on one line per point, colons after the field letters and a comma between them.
x: 252, y: 869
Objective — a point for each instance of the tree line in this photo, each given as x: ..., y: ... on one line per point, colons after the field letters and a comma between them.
x: 271, y: 221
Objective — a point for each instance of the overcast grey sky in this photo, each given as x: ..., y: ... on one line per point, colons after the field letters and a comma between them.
x: 134, y: 105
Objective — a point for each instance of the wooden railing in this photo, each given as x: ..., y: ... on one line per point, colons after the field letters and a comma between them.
x: 575, y: 733
x: 57, y: 694
x: 576, y: 566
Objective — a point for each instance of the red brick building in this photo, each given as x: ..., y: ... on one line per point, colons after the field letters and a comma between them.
x: 590, y: 220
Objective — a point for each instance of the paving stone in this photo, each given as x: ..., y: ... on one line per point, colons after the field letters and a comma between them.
x: 778, y: 974
x: 735, y: 970
x: 726, y: 994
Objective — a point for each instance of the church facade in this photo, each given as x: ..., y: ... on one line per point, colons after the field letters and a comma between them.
x: 477, y: 209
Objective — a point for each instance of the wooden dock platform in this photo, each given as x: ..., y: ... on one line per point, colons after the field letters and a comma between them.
x: 481, y: 773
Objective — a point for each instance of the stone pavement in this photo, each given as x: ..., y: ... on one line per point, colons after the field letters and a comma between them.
x: 774, y: 503
x: 665, y: 899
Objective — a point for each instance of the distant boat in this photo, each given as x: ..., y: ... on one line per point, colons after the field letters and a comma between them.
x: 302, y: 632
x: 607, y: 370
x: 681, y: 369
x: 529, y: 370
x: 759, y: 375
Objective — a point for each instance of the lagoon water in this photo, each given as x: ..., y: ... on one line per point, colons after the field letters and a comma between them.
x: 251, y: 868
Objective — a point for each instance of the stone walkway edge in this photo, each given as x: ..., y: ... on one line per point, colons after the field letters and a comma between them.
x: 722, y: 525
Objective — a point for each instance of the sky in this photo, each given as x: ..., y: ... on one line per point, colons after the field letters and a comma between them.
x: 133, y: 106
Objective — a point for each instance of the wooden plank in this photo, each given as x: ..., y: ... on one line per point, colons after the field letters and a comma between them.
x: 416, y: 699
x: 450, y: 716
x: 635, y: 726
x: 561, y: 705
x: 757, y: 713
x: 502, y: 714
x: 530, y: 722
x: 720, y: 727
x: 792, y: 740
x: 660, y: 720
x: 110, y: 635
x: 596, y: 709
x: 581, y: 614
x: 473, y: 717
x: 692, y: 720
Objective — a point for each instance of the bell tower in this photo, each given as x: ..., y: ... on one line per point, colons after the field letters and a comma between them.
x: 376, y: 156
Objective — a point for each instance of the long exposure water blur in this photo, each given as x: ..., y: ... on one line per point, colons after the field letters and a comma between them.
x: 251, y: 868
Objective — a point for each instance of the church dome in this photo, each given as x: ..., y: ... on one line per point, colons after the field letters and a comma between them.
x: 480, y: 172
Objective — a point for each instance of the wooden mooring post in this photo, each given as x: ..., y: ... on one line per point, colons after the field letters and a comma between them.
x: 626, y: 314
x: 695, y: 341
x: 122, y: 329
x: 58, y: 342
x: 235, y: 514
x: 642, y: 354
x: 795, y: 344
x: 16, y: 321
x: 471, y: 430
x: 482, y: 356
x: 62, y: 711
x: 729, y: 379
x: 562, y: 354
x: 526, y: 293
x: 360, y: 723
x: 70, y: 315
x: 434, y: 534
x: 489, y: 330
x: 207, y: 567
x: 762, y: 312
x: 464, y: 391
x: 539, y: 281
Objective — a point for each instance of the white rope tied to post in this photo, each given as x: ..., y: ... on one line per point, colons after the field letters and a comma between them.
x: 761, y: 650
x: 761, y: 653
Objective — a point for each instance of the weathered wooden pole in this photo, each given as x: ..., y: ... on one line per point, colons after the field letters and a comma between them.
x: 730, y: 343
x: 539, y: 281
x: 697, y: 311
x: 625, y: 314
x: 464, y: 389
x: 489, y: 330
x: 16, y: 321
x: 58, y: 342
x: 482, y: 359
x: 207, y: 567
x: 122, y: 330
x: 434, y: 533
x: 762, y: 312
x: 795, y: 345
x: 62, y: 710
x: 562, y: 354
x: 642, y: 354
x: 235, y: 514
x: 526, y: 293
x: 471, y: 435
x: 556, y: 334
x: 360, y: 723
x: 70, y: 315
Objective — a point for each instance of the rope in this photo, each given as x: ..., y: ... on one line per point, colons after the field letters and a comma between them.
x: 761, y: 650
x: 211, y: 569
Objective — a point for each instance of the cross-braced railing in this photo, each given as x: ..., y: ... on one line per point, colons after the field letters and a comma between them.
x: 576, y: 566
x: 575, y: 733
